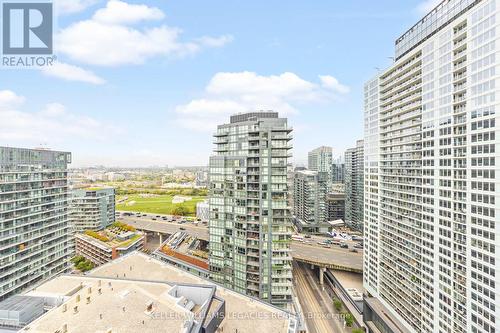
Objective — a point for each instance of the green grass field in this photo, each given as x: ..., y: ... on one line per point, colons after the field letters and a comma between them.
x: 161, y: 204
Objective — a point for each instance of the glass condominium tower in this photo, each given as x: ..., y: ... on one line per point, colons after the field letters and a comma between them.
x: 34, y: 230
x: 432, y: 227
x: 249, y: 225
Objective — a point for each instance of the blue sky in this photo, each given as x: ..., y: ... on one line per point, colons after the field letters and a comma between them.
x: 142, y: 83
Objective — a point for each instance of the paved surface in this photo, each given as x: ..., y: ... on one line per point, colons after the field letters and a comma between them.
x: 308, y: 252
x: 316, y: 304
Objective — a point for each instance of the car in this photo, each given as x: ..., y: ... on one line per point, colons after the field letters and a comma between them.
x: 353, y: 250
x: 182, y: 228
x: 344, y: 246
x: 158, y: 216
x: 154, y: 219
x: 307, y: 236
x: 358, y: 246
x: 327, y: 246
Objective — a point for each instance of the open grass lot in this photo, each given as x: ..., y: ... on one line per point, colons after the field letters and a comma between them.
x: 159, y: 204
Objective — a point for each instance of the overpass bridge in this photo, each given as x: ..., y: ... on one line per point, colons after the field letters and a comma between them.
x: 315, y: 255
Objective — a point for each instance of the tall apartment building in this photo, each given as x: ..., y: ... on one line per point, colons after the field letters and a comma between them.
x: 321, y: 160
x: 432, y: 178
x: 354, y: 186
x: 34, y: 229
x: 92, y: 208
x: 249, y: 225
x: 310, y: 189
x: 335, y: 206
x: 338, y: 171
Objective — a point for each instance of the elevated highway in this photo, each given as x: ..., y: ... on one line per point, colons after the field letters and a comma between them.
x: 311, y: 253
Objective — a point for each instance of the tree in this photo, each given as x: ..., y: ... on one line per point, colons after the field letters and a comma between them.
x: 77, y: 259
x: 337, y: 304
x: 358, y: 330
x: 349, y: 319
x: 85, y: 265
x: 180, y: 210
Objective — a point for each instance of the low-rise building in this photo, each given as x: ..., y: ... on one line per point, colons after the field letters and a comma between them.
x: 137, y: 293
x: 108, y: 244
x: 92, y: 208
x: 202, y: 211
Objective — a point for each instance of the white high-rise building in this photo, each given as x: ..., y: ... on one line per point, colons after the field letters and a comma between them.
x: 431, y: 225
x: 321, y: 160
x: 353, y: 182
x: 310, y: 189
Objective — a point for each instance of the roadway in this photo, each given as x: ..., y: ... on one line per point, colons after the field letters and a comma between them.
x: 309, y: 252
x: 317, y: 305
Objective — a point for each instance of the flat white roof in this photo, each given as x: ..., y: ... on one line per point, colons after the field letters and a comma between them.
x: 120, y: 306
x: 137, y: 279
x: 242, y: 313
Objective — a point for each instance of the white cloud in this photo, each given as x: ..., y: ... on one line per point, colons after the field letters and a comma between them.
x: 73, y: 6
x: 72, y: 73
x: 330, y: 82
x: 119, y: 12
x: 107, y: 39
x: 215, y: 41
x: 426, y: 6
x: 52, y: 125
x: 9, y: 99
x: 229, y: 93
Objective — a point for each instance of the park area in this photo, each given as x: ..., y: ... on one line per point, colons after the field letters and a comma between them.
x: 158, y: 204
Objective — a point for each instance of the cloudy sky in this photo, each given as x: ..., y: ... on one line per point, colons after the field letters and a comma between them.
x: 141, y: 83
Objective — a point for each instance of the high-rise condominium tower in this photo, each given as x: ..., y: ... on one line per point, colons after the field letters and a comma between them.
x: 321, y: 160
x: 34, y: 229
x: 92, y: 208
x: 354, y: 182
x: 432, y: 173
x: 338, y: 171
x: 249, y: 226
x: 310, y: 189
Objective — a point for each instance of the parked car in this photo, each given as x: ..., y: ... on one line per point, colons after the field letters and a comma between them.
x: 344, y: 246
x: 358, y: 246
x: 182, y: 228
x: 307, y: 236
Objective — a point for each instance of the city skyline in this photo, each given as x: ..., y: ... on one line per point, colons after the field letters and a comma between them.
x: 332, y: 163
x: 138, y: 107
